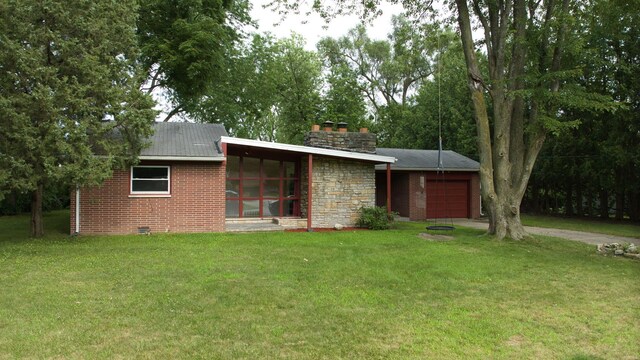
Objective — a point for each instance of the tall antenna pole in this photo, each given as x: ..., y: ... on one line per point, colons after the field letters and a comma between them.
x: 440, y: 166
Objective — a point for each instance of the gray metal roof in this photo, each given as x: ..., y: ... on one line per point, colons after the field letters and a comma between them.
x: 185, y: 140
x: 410, y: 159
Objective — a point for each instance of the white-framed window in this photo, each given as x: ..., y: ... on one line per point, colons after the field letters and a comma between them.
x: 150, y: 179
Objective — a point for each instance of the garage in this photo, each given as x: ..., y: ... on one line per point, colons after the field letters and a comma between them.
x: 447, y: 199
x: 419, y: 191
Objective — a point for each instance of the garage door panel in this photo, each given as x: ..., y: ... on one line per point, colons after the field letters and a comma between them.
x: 447, y: 199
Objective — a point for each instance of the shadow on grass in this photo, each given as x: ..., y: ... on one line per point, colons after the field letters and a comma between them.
x: 17, y: 227
x: 586, y: 357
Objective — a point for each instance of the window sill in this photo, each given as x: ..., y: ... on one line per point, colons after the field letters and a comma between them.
x: 149, y: 195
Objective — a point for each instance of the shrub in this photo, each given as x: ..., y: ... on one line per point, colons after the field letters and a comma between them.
x: 375, y: 218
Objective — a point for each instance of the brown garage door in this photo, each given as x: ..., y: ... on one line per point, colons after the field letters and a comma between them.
x: 447, y: 199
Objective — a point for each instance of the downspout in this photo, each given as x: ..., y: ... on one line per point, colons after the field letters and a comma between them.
x: 77, y: 221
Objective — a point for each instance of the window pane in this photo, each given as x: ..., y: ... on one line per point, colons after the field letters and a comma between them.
x: 271, y: 188
x: 289, y: 188
x: 289, y: 207
x: 271, y: 208
x: 150, y: 185
x: 232, y: 208
x: 233, y: 188
x: 251, y: 167
x: 150, y: 172
x: 251, y: 208
x: 251, y: 188
x: 233, y: 166
x: 289, y: 169
x: 271, y: 168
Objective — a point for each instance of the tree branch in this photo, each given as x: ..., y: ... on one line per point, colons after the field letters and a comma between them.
x: 178, y: 109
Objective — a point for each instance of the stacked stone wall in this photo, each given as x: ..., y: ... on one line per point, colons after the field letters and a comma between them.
x: 347, y: 141
x: 340, y: 189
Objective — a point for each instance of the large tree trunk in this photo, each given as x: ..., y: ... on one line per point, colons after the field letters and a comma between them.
x: 507, y: 154
x: 37, y: 226
x: 505, y: 221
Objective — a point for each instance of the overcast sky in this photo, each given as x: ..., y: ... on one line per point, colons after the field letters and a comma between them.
x: 313, y: 27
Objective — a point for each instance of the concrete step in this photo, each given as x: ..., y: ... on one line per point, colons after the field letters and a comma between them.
x: 252, y: 226
x: 271, y: 224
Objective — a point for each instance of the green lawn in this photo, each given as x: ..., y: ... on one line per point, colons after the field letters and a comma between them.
x: 364, y: 294
x: 588, y: 225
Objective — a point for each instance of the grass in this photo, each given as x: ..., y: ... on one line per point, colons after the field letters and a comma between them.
x: 364, y: 294
x: 589, y: 225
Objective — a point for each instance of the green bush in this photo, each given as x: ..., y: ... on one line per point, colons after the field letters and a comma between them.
x: 375, y: 218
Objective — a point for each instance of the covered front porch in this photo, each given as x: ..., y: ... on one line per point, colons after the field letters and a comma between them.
x: 274, y: 186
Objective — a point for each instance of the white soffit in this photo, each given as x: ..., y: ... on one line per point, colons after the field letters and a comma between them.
x: 309, y: 150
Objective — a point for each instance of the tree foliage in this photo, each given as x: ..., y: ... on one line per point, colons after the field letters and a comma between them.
x: 270, y: 91
x: 597, y: 167
x: 184, y: 45
x: 388, y: 73
x: 67, y: 67
x: 519, y: 96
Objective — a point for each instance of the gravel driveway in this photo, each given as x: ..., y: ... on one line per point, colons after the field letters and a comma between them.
x: 585, y: 237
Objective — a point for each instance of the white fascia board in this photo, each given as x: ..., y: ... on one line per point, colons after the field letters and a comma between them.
x: 181, y: 158
x: 309, y: 150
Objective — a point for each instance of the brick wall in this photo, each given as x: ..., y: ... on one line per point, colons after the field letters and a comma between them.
x: 340, y: 188
x: 196, y: 204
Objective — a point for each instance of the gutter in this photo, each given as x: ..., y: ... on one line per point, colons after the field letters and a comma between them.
x: 182, y: 158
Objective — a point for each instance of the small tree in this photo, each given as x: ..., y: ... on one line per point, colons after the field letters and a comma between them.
x: 67, y: 66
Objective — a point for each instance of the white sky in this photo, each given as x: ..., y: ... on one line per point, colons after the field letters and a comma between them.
x: 313, y: 27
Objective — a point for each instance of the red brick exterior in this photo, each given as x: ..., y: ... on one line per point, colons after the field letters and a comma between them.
x: 196, y: 202
x: 408, y: 197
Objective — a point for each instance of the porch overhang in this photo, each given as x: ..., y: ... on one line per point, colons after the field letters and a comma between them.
x: 309, y: 150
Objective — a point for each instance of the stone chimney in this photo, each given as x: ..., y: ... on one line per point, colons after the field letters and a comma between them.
x: 362, y: 141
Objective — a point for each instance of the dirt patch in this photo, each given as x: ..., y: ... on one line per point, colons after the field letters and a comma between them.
x: 435, y: 237
x: 515, y: 340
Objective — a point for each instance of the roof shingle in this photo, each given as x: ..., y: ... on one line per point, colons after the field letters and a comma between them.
x: 182, y: 139
x: 411, y: 159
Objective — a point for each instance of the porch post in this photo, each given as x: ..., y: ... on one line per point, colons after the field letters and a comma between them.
x: 309, y: 191
x: 388, y: 188
x: 224, y: 202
